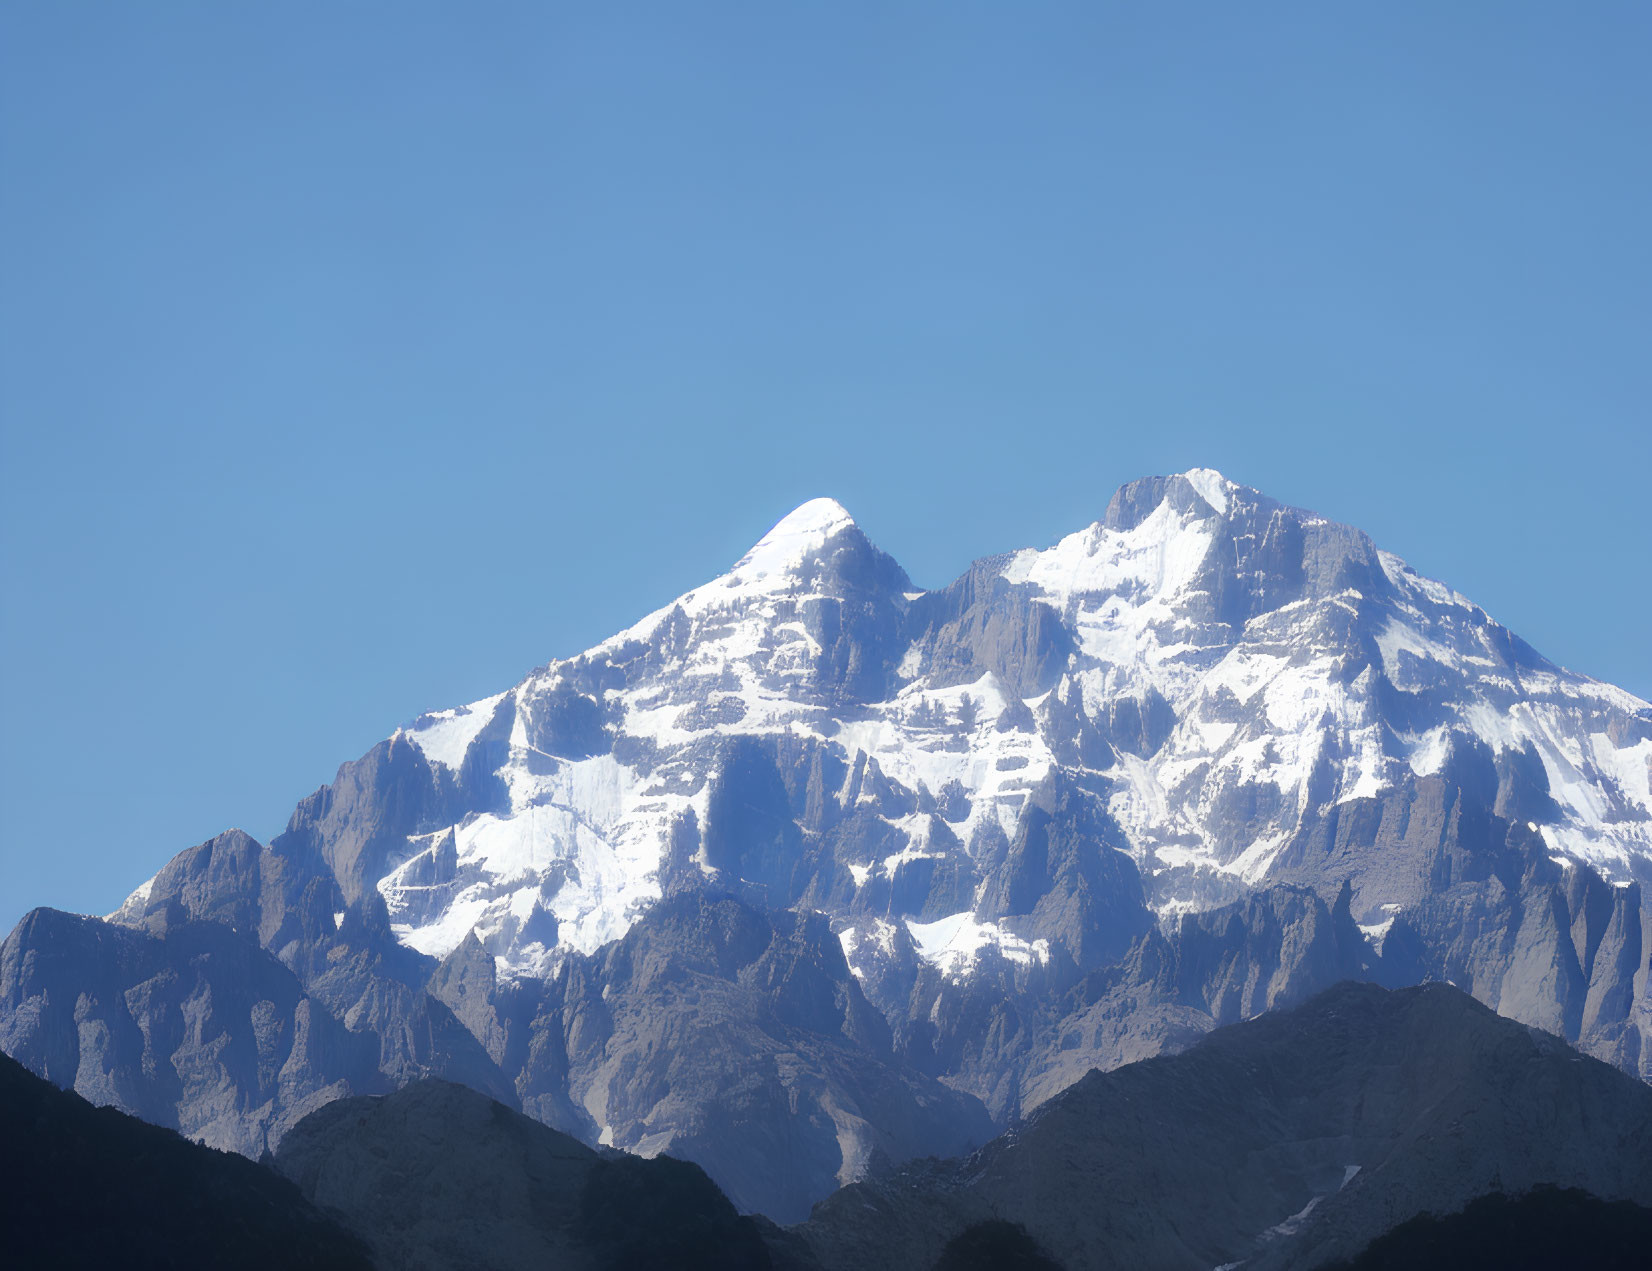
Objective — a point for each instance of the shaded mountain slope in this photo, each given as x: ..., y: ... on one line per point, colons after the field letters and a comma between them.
x: 85, y: 1187
x: 1287, y: 1141
x: 1545, y: 1228
x: 438, y: 1177
x: 1295, y: 1140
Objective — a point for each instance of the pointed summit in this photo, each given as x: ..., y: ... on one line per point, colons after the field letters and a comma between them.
x: 795, y: 538
x: 816, y: 548
x: 817, y: 516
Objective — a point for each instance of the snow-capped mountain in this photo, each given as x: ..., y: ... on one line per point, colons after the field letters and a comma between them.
x: 812, y: 868
x: 609, y: 753
x: 1223, y: 667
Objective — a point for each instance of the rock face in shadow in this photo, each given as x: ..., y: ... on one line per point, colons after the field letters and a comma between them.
x: 86, y: 1187
x: 994, y: 1245
x: 1544, y: 1228
x: 1288, y: 1141
x: 439, y: 1178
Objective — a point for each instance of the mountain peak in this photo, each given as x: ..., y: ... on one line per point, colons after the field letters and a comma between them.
x: 794, y: 538
x: 818, y: 516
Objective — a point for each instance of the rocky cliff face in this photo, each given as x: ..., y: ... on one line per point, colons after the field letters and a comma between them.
x: 884, y: 858
x: 740, y: 1040
x: 202, y: 1030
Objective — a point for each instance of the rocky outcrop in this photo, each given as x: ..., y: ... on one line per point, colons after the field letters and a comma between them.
x: 182, y: 1018
x: 1016, y: 1035
x: 201, y: 1031
x: 983, y: 625
x: 1067, y: 877
x: 741, y: 1042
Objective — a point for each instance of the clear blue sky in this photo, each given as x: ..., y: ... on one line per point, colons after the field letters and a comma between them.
x: 355, y: 358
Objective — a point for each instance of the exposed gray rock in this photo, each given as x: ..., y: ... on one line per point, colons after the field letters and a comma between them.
x: 1066, y: 877
x: 743, y: 1043
x: 982, y: 624
x: 201, y: 1031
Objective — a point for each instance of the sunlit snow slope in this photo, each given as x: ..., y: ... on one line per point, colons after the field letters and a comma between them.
x: 1219, y: 666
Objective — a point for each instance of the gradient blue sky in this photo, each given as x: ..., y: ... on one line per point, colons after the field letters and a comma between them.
x: 355, y: 358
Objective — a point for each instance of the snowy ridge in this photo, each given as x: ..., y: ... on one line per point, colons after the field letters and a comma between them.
x: 1249, y: 663
x: 576, y: 858
x: 1297, y: 691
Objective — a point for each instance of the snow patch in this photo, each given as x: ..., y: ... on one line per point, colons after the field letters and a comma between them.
x: 1212, y: 486
x: 954, y: 943
x: 877, y: 940
x: 445, y: 736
